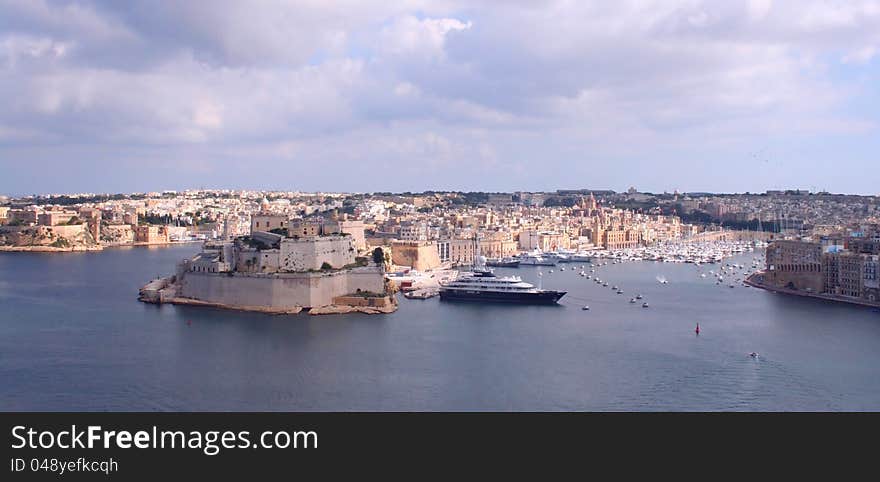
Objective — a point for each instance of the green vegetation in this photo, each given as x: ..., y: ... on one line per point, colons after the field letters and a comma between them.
x: 253, y: 243
x: 280, y: 231
x: 560, y: 201
x: 73, y: 221
x: 704, y: 218
x: 155, y: 219
x: 470, y: 198
x: 68, y: 200
x: 60, y: 243
x: 367, y: 294
x: 326, y: 266
x: 379, y: 256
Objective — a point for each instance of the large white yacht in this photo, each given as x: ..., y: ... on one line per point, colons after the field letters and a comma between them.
x: 483, y: 285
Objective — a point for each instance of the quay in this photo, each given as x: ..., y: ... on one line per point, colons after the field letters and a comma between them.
x: 756, y: 280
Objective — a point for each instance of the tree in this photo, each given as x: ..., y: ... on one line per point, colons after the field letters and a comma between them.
x: 325, y: 265
x: 379, y: 256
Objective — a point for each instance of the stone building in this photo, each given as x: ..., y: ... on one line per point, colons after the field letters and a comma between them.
x: 795, y: 265
x: 497, y: 245
x: 151, y: 234
x: 268, y: 222
x: 274, y: 271
x: 419, y: 255
x: 530, y: 239
x: 621, y: 238
x: 56, y: 218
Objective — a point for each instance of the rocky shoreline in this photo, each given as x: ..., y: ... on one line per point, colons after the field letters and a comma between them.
x: 49, y: 249
x: 318, y: 310
x: 80, y: 249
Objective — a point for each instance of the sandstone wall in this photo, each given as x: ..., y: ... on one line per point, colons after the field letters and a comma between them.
x: 284, y: 290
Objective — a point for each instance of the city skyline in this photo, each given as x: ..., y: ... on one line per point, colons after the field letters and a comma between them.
x: 457, y: 96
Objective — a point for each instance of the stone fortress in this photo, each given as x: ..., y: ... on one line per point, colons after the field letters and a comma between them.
x: 297, y: 265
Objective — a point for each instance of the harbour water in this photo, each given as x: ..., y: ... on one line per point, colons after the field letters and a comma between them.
x: 74, y: 337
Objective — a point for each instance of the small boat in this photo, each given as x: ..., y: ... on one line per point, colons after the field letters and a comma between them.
x: 503, y: 262
x: 620, y: 292
x: 644, y: 305
x: 632, y: 300
x: 421, y: 294
x: 638, y: 297
x: 753, y: 354
x: 586, y: 308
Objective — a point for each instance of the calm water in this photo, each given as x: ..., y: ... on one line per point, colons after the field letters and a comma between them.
x: 74, y: 337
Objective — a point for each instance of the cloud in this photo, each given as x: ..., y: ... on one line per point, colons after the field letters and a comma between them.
x: 449, y: 84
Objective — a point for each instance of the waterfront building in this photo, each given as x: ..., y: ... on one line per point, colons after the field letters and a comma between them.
x: 151, y: 234
x: 531, y: 239
x: 814, y: 268
x: 497, y: 245
x: 443, y: 250
x: 418, y: 255
x: 56, y: 218
x: 461, y: 251
x: 276, y: 272
x: 795, y: 265
x: 620, y: 237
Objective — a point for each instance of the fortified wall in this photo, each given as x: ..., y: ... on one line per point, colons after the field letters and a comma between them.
x: 279, y: 290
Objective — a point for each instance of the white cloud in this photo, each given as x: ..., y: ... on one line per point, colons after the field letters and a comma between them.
x: 860, y: 56
x: 432, y: 81
x: 758, y: 9
x: 410, y: 35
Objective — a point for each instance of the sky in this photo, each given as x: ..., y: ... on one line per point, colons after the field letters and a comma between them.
x: 412, y: 95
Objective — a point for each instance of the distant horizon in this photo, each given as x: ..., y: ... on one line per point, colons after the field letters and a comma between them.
x: 720, y: 96
x: 437, y: 190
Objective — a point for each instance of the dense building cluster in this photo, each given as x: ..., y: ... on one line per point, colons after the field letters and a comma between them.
x: 844, y: 265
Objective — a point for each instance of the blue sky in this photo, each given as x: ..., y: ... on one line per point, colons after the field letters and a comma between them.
x: 733, y: 96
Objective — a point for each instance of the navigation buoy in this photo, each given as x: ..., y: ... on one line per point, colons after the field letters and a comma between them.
x: 697, y: 330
